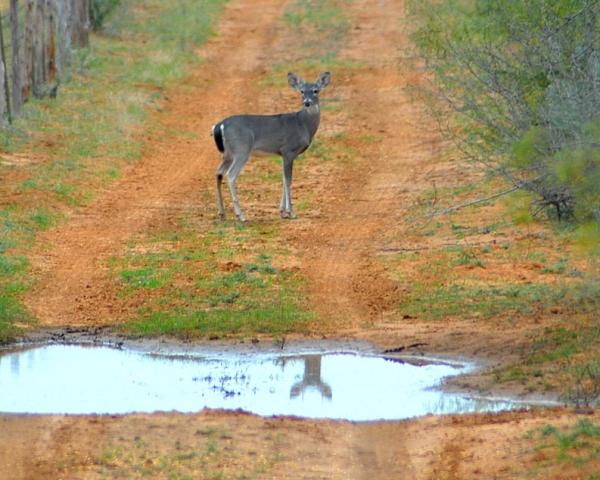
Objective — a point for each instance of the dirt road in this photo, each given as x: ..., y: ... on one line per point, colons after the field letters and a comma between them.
x: 171, y: 178
x: 337, y: 245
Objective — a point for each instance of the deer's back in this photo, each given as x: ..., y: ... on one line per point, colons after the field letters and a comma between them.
x: 265, y: 133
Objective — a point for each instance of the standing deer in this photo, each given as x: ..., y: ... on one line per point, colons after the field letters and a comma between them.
x: 285, y: 134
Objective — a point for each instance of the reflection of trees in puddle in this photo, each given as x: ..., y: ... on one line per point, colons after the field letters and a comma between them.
x: 456, y: 404
x: 311, y: 378
x: 17, y: 355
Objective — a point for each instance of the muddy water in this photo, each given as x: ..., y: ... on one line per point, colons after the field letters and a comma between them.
x: 84, y: 380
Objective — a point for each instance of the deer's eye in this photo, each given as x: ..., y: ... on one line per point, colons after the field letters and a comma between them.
x: 315, y: 91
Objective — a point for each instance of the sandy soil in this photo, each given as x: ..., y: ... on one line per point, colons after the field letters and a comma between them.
x: 238, y: 445
x: 337, y: 247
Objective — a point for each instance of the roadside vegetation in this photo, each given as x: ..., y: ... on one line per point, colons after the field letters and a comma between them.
x: 567, y: 450
x: 208, y: 453
x: 60, y: 152
x: 514, y: 88
x: 522, y: 79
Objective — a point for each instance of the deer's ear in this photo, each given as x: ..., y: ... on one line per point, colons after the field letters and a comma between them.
x: 295, y: 81
x: 324, y: 79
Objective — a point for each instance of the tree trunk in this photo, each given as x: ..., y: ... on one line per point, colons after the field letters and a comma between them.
x: 17, y: 66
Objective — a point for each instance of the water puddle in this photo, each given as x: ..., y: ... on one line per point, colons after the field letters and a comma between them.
x: 70, y: 379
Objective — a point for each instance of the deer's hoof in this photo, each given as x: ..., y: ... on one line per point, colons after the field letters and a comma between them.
x: 288, y: 214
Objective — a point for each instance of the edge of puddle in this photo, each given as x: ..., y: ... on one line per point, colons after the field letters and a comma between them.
x: 106, y: 337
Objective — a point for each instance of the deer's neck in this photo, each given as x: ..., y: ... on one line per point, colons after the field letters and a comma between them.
x: 311, y: 116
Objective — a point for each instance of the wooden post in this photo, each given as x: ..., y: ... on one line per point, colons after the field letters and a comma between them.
x: 39, y: 71
x: 80, y: 26
x: 87, y: 23
x: 63, y: 36
x: 49, y: 42
x: 17, y: 67
x: 4, y: 95
x: 27, y: 73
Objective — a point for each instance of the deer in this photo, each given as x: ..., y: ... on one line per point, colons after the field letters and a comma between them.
x: 286, y: 134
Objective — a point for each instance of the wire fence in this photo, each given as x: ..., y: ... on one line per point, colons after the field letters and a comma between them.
x: 37, y: 38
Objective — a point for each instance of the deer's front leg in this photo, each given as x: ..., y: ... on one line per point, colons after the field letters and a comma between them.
x: 286, y: 209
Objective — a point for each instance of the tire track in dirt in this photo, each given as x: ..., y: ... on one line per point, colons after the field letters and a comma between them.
x: 347, y: 282
x: 74, y: 287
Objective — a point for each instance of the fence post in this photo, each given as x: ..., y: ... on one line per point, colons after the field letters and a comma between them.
x: 63, y: 36
x: 39, y: 50
x: 80, y: 25
x: 4, y: 96
x: 28, y: 49
x: 17, y: 67
x: 50, y: 42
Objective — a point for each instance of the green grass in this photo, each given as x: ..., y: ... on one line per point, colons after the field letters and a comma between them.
x: 11, y: 315
x: 193, y: 285
x: 479, y: 301
x: 322, y: 24
x: 274, y: 320
x: 211, y: 453
x: 80, y: 142
x: 557, y: 355
x: 492, y: 269
x: 577, y: 447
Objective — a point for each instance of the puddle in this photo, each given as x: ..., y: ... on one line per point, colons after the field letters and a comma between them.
x: 68, y: 379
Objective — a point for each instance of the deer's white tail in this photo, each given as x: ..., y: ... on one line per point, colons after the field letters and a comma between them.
x: 218, y: 132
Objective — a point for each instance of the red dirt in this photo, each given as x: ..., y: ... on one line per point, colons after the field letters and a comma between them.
x: 337, y: 247
x: 246, y: 446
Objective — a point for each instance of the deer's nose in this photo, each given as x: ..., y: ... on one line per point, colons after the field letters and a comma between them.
x: 307, y: 103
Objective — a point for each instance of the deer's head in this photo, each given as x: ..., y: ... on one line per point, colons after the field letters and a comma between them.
x: 309, y: 91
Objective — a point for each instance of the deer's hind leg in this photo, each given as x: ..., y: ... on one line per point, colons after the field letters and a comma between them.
x: 239, y: 160
x: 223, y: 167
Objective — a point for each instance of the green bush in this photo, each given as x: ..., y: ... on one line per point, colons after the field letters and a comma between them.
x: 99, y: 10
x: 522, y: 78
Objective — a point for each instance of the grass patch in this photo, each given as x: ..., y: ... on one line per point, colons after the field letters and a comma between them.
x: 13, y: 281
x: 469, y: 301
x: 11, y: 315
x: 272, y: 320
x: 212, y: 453
x: 485, y: 265
x: 576, y: 447
x: 322, y: 23
x: 488, y: 266
x: 192, y: 285
x: 563, y: 357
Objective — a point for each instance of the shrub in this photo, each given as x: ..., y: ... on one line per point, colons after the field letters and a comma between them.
x: 524, y: 81
x: 99, y: 10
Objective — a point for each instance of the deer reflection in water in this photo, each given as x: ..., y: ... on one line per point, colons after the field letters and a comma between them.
x: 311, y: 378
